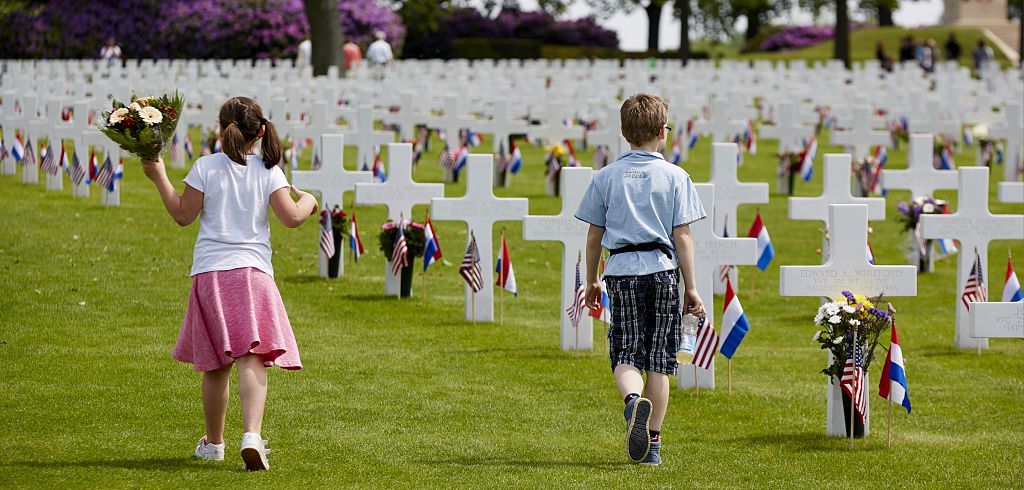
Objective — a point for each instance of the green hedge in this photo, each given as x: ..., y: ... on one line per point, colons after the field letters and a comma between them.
x: 487, y: 48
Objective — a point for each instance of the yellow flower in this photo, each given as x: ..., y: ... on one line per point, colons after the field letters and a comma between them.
x: 863, y: 300
x: 144, y: 101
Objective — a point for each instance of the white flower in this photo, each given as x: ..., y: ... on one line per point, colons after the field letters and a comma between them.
x: 919, y: 200
x: 817, y: 335
x: 118, y: 115
x: 820, y: 316
x: 832, y: 309
x: 855, y: 322
x: 834, y: 319
x: 928, y: 208
x: 151, y: 115
x: 849, y: 308
x: 135, y: 106
x: 837, y: 340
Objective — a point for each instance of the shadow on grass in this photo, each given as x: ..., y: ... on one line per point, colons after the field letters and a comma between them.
x: 155, y: 464
x: 520, y: 463
x: 806, y: 442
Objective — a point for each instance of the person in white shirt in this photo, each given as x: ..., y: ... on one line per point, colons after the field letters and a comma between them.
x: 379, y: 55
x: 305, y: 53
x: 110, y: 51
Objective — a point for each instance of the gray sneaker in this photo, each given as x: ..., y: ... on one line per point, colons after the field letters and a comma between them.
x: 638, y: 440
x: 654, y: 455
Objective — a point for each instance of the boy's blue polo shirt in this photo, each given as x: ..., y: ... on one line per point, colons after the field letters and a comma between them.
x: 639, y: 199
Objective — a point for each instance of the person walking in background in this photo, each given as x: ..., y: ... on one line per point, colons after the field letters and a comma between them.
x: 952, y: 48
x: 304, y: 55
x: 110, y: 51
x: 883, y: 60
x: 906, y: 50
x: 379, y: 55
x: 981, y: 55
x: 353, y: 55
x: 929, y: 55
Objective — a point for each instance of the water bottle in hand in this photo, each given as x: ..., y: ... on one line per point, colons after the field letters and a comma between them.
x: 690, y: 323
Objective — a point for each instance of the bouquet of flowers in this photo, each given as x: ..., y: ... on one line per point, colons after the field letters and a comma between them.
x: 415, y: 237
x: 839, y: 320
x: 867, y: 172
x: 789, y: 167
x: 910, y: 213
x: 144, y: 125
x: 899, y: 130
x: 339, y: 221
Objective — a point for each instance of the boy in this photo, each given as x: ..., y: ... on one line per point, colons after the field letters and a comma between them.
x: 640, y: 209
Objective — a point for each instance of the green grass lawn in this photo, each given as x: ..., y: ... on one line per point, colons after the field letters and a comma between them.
x: 407, y: 394
x: 863, y: 41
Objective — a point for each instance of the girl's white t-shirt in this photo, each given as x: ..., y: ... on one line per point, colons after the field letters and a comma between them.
x: 234, y: 227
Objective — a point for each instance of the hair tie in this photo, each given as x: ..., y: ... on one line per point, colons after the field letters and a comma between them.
x: 263, y: 121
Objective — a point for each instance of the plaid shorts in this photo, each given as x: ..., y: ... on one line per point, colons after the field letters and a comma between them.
x: 645, y: 330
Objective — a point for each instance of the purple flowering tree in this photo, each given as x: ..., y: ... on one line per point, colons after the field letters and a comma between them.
x: 180, y: 28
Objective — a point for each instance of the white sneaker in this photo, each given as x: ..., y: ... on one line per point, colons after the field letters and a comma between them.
x: 254, y: 452
x: 209, y: 452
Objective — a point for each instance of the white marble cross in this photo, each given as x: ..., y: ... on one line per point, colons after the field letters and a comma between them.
x: 1011, y: 192
x: 861, y: 137
x: 730, y: 193
x: 721, y: 125
x: 974, y: 227
x: 321, y: 122
x: 710, y: 251
x: 103, y: 147
x: 933, y: 121
x: 836, y: 190
x: 399, y: 193
x: 788, y: 129
x: 554, y: 130
x: 572, y: 233
x: 73, y: 131
x: 921, y: 177
x: 1012, y: 130
x: 480, y: 209
x: 366, y: 138
x: 998, y: 320
x: 38, y: 128
x: 406, y: 117
x: 846, y: 269
x: 452, y: 121
x: 333, y: 181
x: 11, y: 121
x: 501, y: 126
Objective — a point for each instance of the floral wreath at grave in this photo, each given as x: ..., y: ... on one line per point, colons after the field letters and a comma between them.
x: 339, y: 221
x: 415, y: 237
x: 144, y: 125
x: 839, y: 320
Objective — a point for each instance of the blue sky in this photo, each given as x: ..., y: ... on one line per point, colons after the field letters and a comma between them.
x: 632, y: 27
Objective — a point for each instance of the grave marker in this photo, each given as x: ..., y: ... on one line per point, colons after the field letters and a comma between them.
x: 998, y: 320
x: 974, y: 227
x: 572, y: 233
x: 1012, y: 130
x: 399, y: 193
x: 861, y: 136
x: 730, y: 193
x: 921, y: 177
x: 480, y: 209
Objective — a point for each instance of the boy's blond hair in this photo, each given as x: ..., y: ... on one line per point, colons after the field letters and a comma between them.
x: 642, y: 116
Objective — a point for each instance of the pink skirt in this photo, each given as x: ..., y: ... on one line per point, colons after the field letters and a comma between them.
x: 233, y: 313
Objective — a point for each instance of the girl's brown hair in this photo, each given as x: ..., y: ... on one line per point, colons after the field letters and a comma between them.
x: 240, y: 121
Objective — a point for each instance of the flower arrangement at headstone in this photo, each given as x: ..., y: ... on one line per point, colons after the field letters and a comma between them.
x: 556, y: 158
x: 789, y: 167
x: 990, y: 150
x: 920, y: 251
x: 339, y: 230
x: 852, y: 321
x: 415, y: 241
x: 867, y: 173
x: 899, y: 129
x: 942, y: 152
x: 144, y: 125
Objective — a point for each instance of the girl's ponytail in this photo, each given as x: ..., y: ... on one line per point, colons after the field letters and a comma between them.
x: 234, y: 143
x: 271, y: 146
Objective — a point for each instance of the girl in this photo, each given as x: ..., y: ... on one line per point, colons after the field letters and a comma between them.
x: 235, y: 314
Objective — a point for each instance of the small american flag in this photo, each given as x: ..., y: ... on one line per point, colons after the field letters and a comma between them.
x: 502, y: 160
x: 447, y: 159
x: 3, y: 150
x: 400, y: 252
x: 172, y: 150
x: 852, y: 381
x: 575, y: 309
x: 974, y: 290
x: 326, y: 233
x: 470, y: 268
x: 49, y: 163
x: 106, y: 174
x: 30, y: 156
x: 77, y: 170
x: 707, y: 345
x: 316, y: 162
x: 554, y: 166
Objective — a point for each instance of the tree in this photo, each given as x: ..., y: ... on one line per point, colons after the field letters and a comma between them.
x: 881, y: 10
x: 842, y: 37
x: 683, y: 10
x: 325, y: 34
x: 718, y: 16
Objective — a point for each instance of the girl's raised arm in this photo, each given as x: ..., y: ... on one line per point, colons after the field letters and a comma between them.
x: 184, y: 208
x: 293, y: 213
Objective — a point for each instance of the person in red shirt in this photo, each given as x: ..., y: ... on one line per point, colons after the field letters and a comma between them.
x: 353, y: 55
